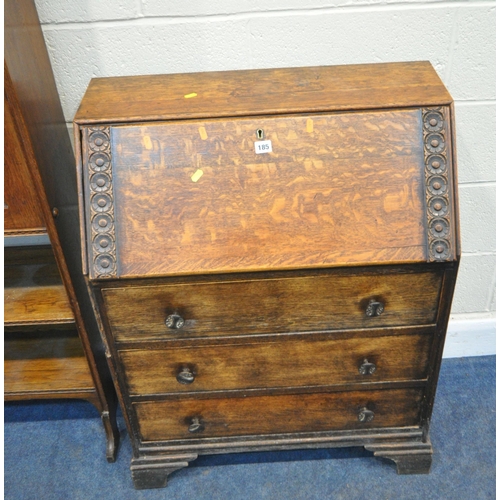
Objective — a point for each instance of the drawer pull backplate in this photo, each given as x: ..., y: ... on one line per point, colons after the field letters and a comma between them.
x: 365, y: 415
x: 367, y: 368
x: 174, y: 321
x: 185, y: 376
x: 196, y: 425
x: 374, y: 308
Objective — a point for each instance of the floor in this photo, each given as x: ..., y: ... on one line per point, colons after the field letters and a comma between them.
x: 56, y: 450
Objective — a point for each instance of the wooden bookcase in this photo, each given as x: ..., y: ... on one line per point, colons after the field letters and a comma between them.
x: 53, y: 347
x: 44, y: 357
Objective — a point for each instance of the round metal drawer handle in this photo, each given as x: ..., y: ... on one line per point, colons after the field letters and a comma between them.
x: 365, y: 415
x: 374, y: 308
x: 185, y: 376
x: 174, y: 321
x: 367, y: 368
x: 196, y: 425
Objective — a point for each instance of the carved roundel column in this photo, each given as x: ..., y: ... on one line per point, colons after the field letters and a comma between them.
x: 437, y: 185
x: 102, y: 215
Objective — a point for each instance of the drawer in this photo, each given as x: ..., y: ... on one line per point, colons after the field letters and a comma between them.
x: 286, y: 363
x: 185, y: 419
x: 291, y: 304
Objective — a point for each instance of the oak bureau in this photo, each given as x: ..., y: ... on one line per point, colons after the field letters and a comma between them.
x: 272, y: 255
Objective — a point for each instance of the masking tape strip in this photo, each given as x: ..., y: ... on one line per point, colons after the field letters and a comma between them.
x: 197, y: 175
x: 203, y: 133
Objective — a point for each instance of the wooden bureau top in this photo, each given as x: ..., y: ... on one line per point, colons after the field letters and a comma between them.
x: 262, y: 91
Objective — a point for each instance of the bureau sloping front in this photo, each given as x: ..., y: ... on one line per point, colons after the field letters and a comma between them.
x: 194, y: 197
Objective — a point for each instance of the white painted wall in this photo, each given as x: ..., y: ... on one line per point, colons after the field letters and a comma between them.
x: 92, y: 38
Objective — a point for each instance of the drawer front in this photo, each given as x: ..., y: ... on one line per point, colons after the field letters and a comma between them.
x: 326, y: 302
x: 285, y: 363
x: 184, y: 419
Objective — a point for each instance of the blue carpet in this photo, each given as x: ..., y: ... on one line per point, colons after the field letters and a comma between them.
x: 56, y: 450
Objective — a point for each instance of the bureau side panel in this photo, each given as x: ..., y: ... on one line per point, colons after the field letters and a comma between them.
x: 325, y: 190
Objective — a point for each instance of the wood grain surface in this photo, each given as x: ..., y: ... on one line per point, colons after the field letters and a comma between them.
x: 316, y: 303
x: 22, y: 210
x: 33, y: 291
x: 169, y: 420
x: 299, y: 362
x: 193, y: 197
x: 261, y: 91
x: 48, y: 363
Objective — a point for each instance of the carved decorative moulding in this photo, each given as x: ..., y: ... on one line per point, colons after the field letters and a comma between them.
x: 102, y: 215
x: 437, y: 182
